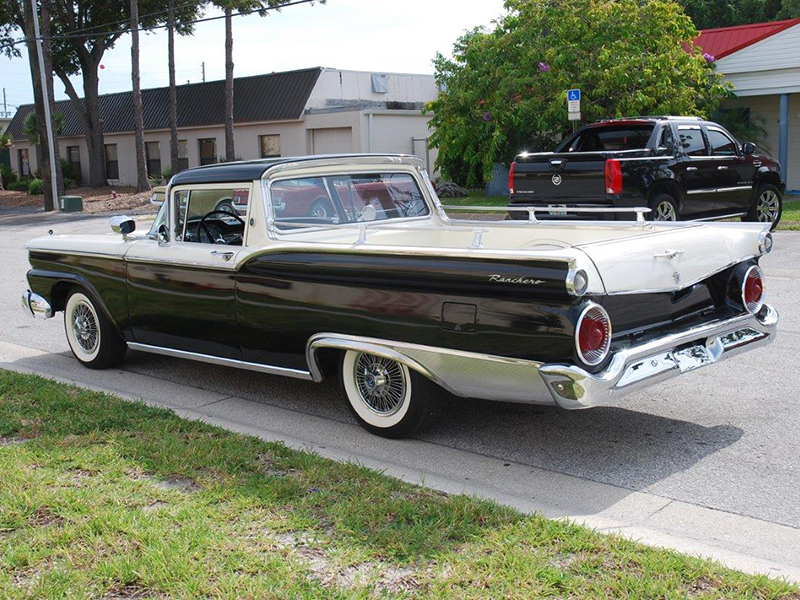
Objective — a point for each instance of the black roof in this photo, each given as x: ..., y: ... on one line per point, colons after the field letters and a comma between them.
x: 272, y: 97
x: 249, y: 170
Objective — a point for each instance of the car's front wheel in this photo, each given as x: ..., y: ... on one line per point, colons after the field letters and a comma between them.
x: 768, y: 206
x: 90, y: 335
x: 385, y: 396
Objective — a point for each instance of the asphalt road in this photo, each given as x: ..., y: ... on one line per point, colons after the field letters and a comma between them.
x: 722, y: 438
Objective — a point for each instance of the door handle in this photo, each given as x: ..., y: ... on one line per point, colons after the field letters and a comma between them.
x: 722, y: 168
x: 226, y: 256
x: 691, y: 168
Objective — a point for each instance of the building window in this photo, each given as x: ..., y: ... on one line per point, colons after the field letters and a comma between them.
x: 74, y: 160
x: 208, y: 151
x: 269, y: 145
x: 112, y: 166
x: 153, y: 153
x: 183, y: 155
x: 24, y: 162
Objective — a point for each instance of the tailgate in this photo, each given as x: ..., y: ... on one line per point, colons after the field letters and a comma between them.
x: 563, y: 178
x: 667, y: 259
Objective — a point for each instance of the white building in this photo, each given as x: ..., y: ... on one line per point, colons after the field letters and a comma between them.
x: 311, y: 111
x: 762, y: 61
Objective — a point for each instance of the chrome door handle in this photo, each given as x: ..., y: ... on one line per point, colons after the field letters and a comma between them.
x: 225, y: 255
x: 722, y: 168
x: 691, y: 168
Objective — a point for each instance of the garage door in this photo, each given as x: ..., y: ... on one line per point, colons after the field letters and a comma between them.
x: 335, y: 140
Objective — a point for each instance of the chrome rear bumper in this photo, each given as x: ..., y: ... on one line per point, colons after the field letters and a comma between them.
x: 36, y: 306
x: 643, y: 365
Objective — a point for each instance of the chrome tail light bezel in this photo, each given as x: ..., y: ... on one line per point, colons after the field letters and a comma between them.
x: 596, y: 357
x: 752, y: 307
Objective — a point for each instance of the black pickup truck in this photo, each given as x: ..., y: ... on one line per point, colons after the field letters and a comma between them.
x: 679, y: 167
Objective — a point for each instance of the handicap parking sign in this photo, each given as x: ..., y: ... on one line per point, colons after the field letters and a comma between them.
x: 574, y: 95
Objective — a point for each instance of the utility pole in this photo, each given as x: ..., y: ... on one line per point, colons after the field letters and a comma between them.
x: 204, y: 71
x: 5, y: 106
x: 46, y: 95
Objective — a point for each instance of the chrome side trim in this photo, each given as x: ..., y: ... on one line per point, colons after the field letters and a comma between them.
x: 38, y: 307
x: 464, y: 374
x: 720, y: 217
x: 717, y: 190
x: 225, y: 362
x: 76, y: 253
x: 671, y: 355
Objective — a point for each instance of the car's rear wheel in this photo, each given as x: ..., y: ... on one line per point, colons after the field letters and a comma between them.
x: 663, y: 208
x: 386, y: 397
x: 90, y: 335
x: 768, y: 206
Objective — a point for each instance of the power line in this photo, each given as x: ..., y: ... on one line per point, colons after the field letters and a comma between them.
x: 155, y: 27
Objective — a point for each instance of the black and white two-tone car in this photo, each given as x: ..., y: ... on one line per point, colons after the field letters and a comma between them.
x: 349, y: 268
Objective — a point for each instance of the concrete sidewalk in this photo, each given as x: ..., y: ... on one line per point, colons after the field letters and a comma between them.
x: 741, y: 542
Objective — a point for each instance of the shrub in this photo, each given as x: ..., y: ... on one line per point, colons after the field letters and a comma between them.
x: 8, y: 175
x: 166, y: 174
x: 69, y: 183
x: 67, y: 172
x: 18, y: 186
x: 35, y: 187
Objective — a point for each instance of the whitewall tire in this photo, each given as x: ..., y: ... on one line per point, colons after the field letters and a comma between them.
x: 90, y: 335
x: 385, y: 396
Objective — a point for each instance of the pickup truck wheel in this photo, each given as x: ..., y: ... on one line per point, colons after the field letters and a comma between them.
x: 90, y: 335
x: 768, y: 206
x: 385, y: 397
x: 663, y: 208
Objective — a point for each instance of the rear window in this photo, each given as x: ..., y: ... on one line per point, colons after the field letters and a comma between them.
x: 341, y: 199
x: 610, y: 138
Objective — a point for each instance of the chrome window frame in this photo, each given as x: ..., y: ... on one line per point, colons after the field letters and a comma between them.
x: 727, y: 135
x: 173, y: 190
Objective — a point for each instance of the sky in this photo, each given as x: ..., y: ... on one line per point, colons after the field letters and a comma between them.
x: 401, y: 36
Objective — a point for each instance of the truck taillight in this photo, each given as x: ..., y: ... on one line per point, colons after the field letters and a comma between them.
x: 511, y: 177
x: 753, y: 290
x: 593, y: 334
x: 613, y: 176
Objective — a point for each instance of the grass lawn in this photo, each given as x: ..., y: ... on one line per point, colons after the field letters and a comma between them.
x: 105, y: 498
x: 789, y: 221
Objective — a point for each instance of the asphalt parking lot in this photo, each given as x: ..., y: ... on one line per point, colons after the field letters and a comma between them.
x: 723, y: 439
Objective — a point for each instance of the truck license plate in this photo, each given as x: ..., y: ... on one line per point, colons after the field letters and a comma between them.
x: 692, y: 358
x: 558, y: 211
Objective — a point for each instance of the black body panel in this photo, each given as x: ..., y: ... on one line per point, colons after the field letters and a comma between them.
x: 285, y: 298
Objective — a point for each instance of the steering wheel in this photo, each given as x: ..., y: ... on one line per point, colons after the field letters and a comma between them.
x: 202, y: 225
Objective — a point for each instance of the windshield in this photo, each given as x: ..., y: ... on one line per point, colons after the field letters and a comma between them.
x: 342, y: 199
x: 609, y: 138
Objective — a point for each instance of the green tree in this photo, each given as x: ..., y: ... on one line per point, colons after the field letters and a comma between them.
x: 505, y: 90
x: 30, y: 126
x: 709, y: 14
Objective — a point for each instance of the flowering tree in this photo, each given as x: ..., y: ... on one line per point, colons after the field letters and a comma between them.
x: 505, y: 90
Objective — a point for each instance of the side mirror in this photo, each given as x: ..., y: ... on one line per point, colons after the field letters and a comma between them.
x: 122, y: 224
x: 748, y: 148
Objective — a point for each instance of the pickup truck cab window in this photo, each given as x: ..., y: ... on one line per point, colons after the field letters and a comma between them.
x: 210, y: 216
x: 347, y: 198
x: 606, y: 138
x: 721, y: 144
x: 692, y: 141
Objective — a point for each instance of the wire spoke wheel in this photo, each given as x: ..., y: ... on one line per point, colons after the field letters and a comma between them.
x: 382, y: 383
x: 84, y: 326
x: 768, y: 207
x: 319, y: 211
x: 665, y: 211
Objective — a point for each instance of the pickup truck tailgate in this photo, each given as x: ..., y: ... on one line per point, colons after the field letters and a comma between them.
x: 563, y: 178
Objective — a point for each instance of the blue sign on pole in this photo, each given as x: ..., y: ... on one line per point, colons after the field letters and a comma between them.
x: 574, y: 95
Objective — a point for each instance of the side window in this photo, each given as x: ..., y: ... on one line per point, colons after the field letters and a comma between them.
x: 211, y: 216
x: 692, y: 142
x: 721, y: 144
x: 181, y: 202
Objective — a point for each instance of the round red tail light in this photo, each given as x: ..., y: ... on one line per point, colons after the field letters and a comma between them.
x: 753, y: 289
x: 593, y: 334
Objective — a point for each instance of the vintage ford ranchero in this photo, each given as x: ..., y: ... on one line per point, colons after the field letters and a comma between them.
x: 348, y: 267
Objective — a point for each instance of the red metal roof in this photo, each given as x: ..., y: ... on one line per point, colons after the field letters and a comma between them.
x: 723, y: 41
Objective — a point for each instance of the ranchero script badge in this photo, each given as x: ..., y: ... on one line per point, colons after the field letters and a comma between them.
x: 521, y: 280
x: 556, y: 179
